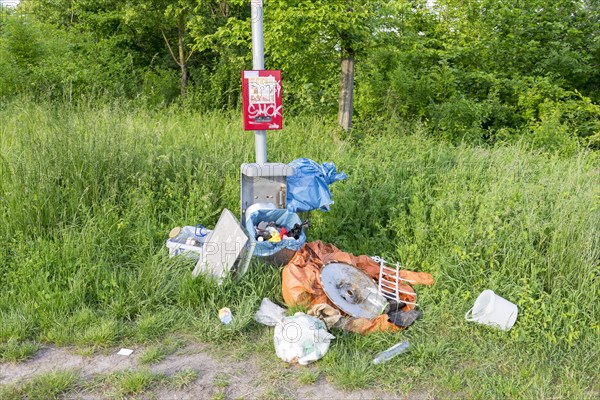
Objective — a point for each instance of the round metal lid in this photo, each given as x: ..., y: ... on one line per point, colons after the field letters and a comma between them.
x: 353, y: 291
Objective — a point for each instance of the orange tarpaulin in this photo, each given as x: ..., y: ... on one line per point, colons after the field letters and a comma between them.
x: 301, y: 282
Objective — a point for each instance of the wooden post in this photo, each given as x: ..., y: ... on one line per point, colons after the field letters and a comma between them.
x: 346, y: 92
x: 182, y: 58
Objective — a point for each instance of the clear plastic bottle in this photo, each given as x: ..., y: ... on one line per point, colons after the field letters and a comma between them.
x: 391, y: 352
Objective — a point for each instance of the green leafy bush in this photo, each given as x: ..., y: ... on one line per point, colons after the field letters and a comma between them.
x: 44, y: 61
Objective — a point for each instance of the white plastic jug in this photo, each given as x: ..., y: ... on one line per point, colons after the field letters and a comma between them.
x: 493, y: 310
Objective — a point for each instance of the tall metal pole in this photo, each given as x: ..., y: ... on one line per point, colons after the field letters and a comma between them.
x: 258, y: 63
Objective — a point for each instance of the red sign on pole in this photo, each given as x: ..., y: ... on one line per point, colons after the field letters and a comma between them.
x: 261, y: 100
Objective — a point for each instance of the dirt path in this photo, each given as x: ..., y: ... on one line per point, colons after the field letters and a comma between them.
x: 220, y: 378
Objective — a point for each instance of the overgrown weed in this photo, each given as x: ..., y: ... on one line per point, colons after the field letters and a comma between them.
x: 87, y: 197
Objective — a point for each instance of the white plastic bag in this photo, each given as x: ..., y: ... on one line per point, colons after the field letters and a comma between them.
x: 269, y: 313
x: 301, y: 338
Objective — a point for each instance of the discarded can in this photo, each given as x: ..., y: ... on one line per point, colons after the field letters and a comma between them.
x: 225, y: 315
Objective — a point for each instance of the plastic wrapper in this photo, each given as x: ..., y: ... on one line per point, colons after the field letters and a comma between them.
x: 301, y: 339
x: 269, y: 313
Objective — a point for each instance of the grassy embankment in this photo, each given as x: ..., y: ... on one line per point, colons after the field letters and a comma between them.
x: 87, y: 197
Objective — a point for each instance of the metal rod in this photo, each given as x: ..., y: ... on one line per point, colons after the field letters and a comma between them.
x: 258, y: 43
x: 258, y: 63
x: 260, y: 146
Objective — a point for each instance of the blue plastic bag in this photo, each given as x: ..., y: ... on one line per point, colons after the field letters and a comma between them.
x: 281, y: 217
x: 308, y: 188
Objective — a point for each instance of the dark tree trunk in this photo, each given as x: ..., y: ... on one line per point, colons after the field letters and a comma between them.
x: 346, y: 92
x: 182, y: 59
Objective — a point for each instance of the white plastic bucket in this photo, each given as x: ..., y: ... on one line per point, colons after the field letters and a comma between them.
x: 493, y: 310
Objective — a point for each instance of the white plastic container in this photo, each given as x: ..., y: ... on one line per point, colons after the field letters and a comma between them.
x: 177, y: 245
x: 493, y: 310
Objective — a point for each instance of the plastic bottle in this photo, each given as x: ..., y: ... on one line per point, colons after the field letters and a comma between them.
x: 391, y: 352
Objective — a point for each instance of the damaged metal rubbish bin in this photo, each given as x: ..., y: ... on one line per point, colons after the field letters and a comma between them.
x: 264, y: 198
x: 276, y: 253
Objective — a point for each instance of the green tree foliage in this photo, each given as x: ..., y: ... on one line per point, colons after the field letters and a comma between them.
x: 488, y: 70
x: 306, y: 40
x: 478, y: 70
x: 225, y: 52
x: 171, y: 20
x: 44, y: 61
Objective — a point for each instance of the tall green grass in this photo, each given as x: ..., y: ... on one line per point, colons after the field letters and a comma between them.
x: 88, y: 195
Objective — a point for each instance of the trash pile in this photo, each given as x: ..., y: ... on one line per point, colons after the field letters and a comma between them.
x: 276, y: 250
x: 299, y: 338
x: 271, y: 232
x: 353, y: 291
x: 337, y: 290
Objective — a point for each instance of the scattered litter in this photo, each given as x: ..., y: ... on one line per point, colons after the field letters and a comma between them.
x: 125, y: 352
x: 269, y: 313
x: 351, y: 290
x: 297, y: 229
x: 493, y: 310
x: 402, y: 318
x: 389, y: 280
x: 308, y: 187
x: 227, y: 249
x: 332, y: 317
x: 225, y: 315
x: 175, y: 232
x: 201, y: 231
x: 192, y: 242
x: 267, y: 224
x: 359, y: 294
x: 187, y: 241
x: 391, y: 352
x: 274, y: 237
x: 302, y: 284
x: 272, y: 232
x: 301, y: 339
